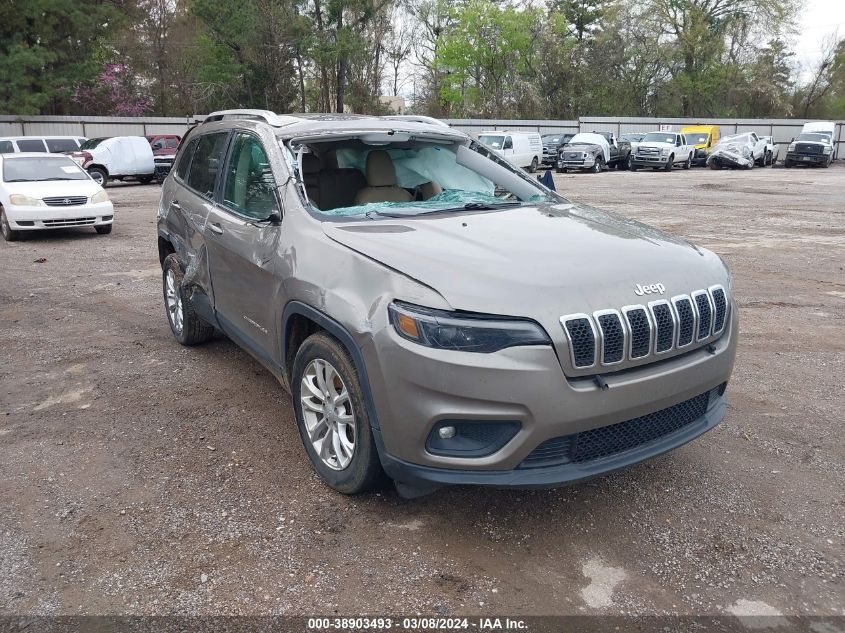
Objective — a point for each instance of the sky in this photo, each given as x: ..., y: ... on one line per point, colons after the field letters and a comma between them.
x: 819, y: 19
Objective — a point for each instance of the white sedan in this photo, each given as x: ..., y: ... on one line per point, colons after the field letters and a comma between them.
x: 43, y: 191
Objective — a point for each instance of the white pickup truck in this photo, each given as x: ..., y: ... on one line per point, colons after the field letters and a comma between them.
x: 663, y: 150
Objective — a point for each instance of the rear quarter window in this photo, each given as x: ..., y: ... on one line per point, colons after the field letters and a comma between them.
x: 31, y: 145
x: 6, y: 147
x: 185, y: 159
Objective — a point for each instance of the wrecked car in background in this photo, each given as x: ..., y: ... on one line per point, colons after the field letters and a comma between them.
x: 414, y: 292
x: 702, y: 138
x: 551, y: 144
x: 738, y: 151
x: 116, y: 158
x: 592, y: 151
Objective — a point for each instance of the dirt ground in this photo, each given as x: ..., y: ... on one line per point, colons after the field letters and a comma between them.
x: 141, y: 477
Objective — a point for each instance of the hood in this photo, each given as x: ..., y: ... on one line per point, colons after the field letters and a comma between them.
x: 54, y: 188
x: 539, y: 262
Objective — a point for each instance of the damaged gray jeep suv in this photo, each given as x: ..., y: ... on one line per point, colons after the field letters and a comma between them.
x: 436, y: 314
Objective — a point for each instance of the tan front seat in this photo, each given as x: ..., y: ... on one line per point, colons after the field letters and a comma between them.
x: 381, y: 181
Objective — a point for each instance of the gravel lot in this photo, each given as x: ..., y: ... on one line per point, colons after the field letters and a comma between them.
x: 146, y: 478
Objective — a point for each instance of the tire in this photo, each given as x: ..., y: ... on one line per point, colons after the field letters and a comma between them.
x: 145, y: 180
x: 99, y: 175
x: 598, y: 166
x: 533, y: 167
x: 632, y: 167
x: 177, y: 304
x: 322, y: 359
x: 767, y: 160
x: 560, y: 170
x: 829, y: 161
x: 670, y: 163
x: 628, y: 165
x: 787, y: 163
x: 688, y: 164
x: 9, y: 234
x: 103, y: 229
x: 713, y: 164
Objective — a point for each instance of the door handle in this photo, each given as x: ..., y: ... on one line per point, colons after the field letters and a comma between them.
x: 216, y: 228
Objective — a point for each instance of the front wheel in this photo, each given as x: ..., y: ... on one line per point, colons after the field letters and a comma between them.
x: 98, y: 175
x: 9, y: 234
x: 533, y: 167
x: 103, y: 229
x: 670, y: 163
x: 597, y: 166
x: 331, y: 416
x: 688, y: 163
x: 187, y: 326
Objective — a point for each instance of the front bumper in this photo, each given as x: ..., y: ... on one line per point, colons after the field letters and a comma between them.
x: 416, y: 388
x: 807, y: 159
x: 649, y: 160
x: 584, y: 163
x: 44, y: 217
x: 700, y: 157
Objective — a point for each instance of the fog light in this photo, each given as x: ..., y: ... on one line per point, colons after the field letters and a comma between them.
x: 446, y: 432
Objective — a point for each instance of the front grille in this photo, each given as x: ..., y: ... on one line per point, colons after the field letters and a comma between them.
x: 686, y: 321
x: 583, y: 341
x: 640, y: 332
x: 664, y: 324
x: 721, y: 306
x: 609, y: 337
x: 705, y: 314
x: 646, y: 151
x: 69, y: 222
x: 67, y: 201
x: 574, y: 156
x: 613, y: 338
x: 605, y: 441
x: 808, y: 148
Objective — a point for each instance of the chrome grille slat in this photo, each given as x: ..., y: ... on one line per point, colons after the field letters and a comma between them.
x: 65, y: 201
x: 639, y: 333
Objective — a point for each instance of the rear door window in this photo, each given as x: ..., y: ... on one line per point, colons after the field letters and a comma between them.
x: 31, y: 145
x: 250, y: 184
x: 171, y: 143
x: 208, y: 159
x: 56, y: 145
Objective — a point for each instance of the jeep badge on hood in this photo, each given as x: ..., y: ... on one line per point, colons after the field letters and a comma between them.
x: 649, y: 290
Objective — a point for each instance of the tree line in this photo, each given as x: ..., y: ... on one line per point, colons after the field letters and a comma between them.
x: 536, y: 59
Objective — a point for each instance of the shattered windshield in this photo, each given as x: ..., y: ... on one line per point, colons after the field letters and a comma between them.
x: 352, y: 178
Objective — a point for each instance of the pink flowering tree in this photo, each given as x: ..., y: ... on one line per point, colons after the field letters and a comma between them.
x: 115, y: 92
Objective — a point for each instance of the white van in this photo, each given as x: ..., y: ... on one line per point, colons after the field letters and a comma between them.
x: 116, y: 158
x: 45, y: 144
x: 523, y: 149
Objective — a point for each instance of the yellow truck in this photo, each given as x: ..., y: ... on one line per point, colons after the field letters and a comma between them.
x: 703, y: 137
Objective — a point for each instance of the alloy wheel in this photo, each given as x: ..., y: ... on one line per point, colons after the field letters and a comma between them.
x: 174, y: 301
x: 328, y: 415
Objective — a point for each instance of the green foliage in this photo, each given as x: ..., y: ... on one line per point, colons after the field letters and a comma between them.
x: 46, y: 48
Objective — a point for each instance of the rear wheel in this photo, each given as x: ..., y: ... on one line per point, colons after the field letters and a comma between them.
x: 331, y: 416
x: 98, y: 175
x: 533, y: 167
x: 9, y: 234
x: 187, y: 326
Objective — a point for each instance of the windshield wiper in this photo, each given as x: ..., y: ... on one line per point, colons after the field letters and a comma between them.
x: 469, y: 206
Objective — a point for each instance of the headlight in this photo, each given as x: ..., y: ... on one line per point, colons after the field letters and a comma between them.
x: 665, y: 151
x: 24, y: 201
x: 454, y: 331
x: 100, y: 196
x: 791, y: 147
x: 827, y: 150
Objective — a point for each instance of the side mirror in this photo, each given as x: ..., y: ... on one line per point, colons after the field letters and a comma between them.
x: 274, y: 218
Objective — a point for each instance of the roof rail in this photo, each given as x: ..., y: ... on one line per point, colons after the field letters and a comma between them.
x: 276, y: 120
x: 416, y: 118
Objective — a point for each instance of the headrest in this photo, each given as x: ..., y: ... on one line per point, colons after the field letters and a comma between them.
x: 380, y: 170
x: 310, y: 164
